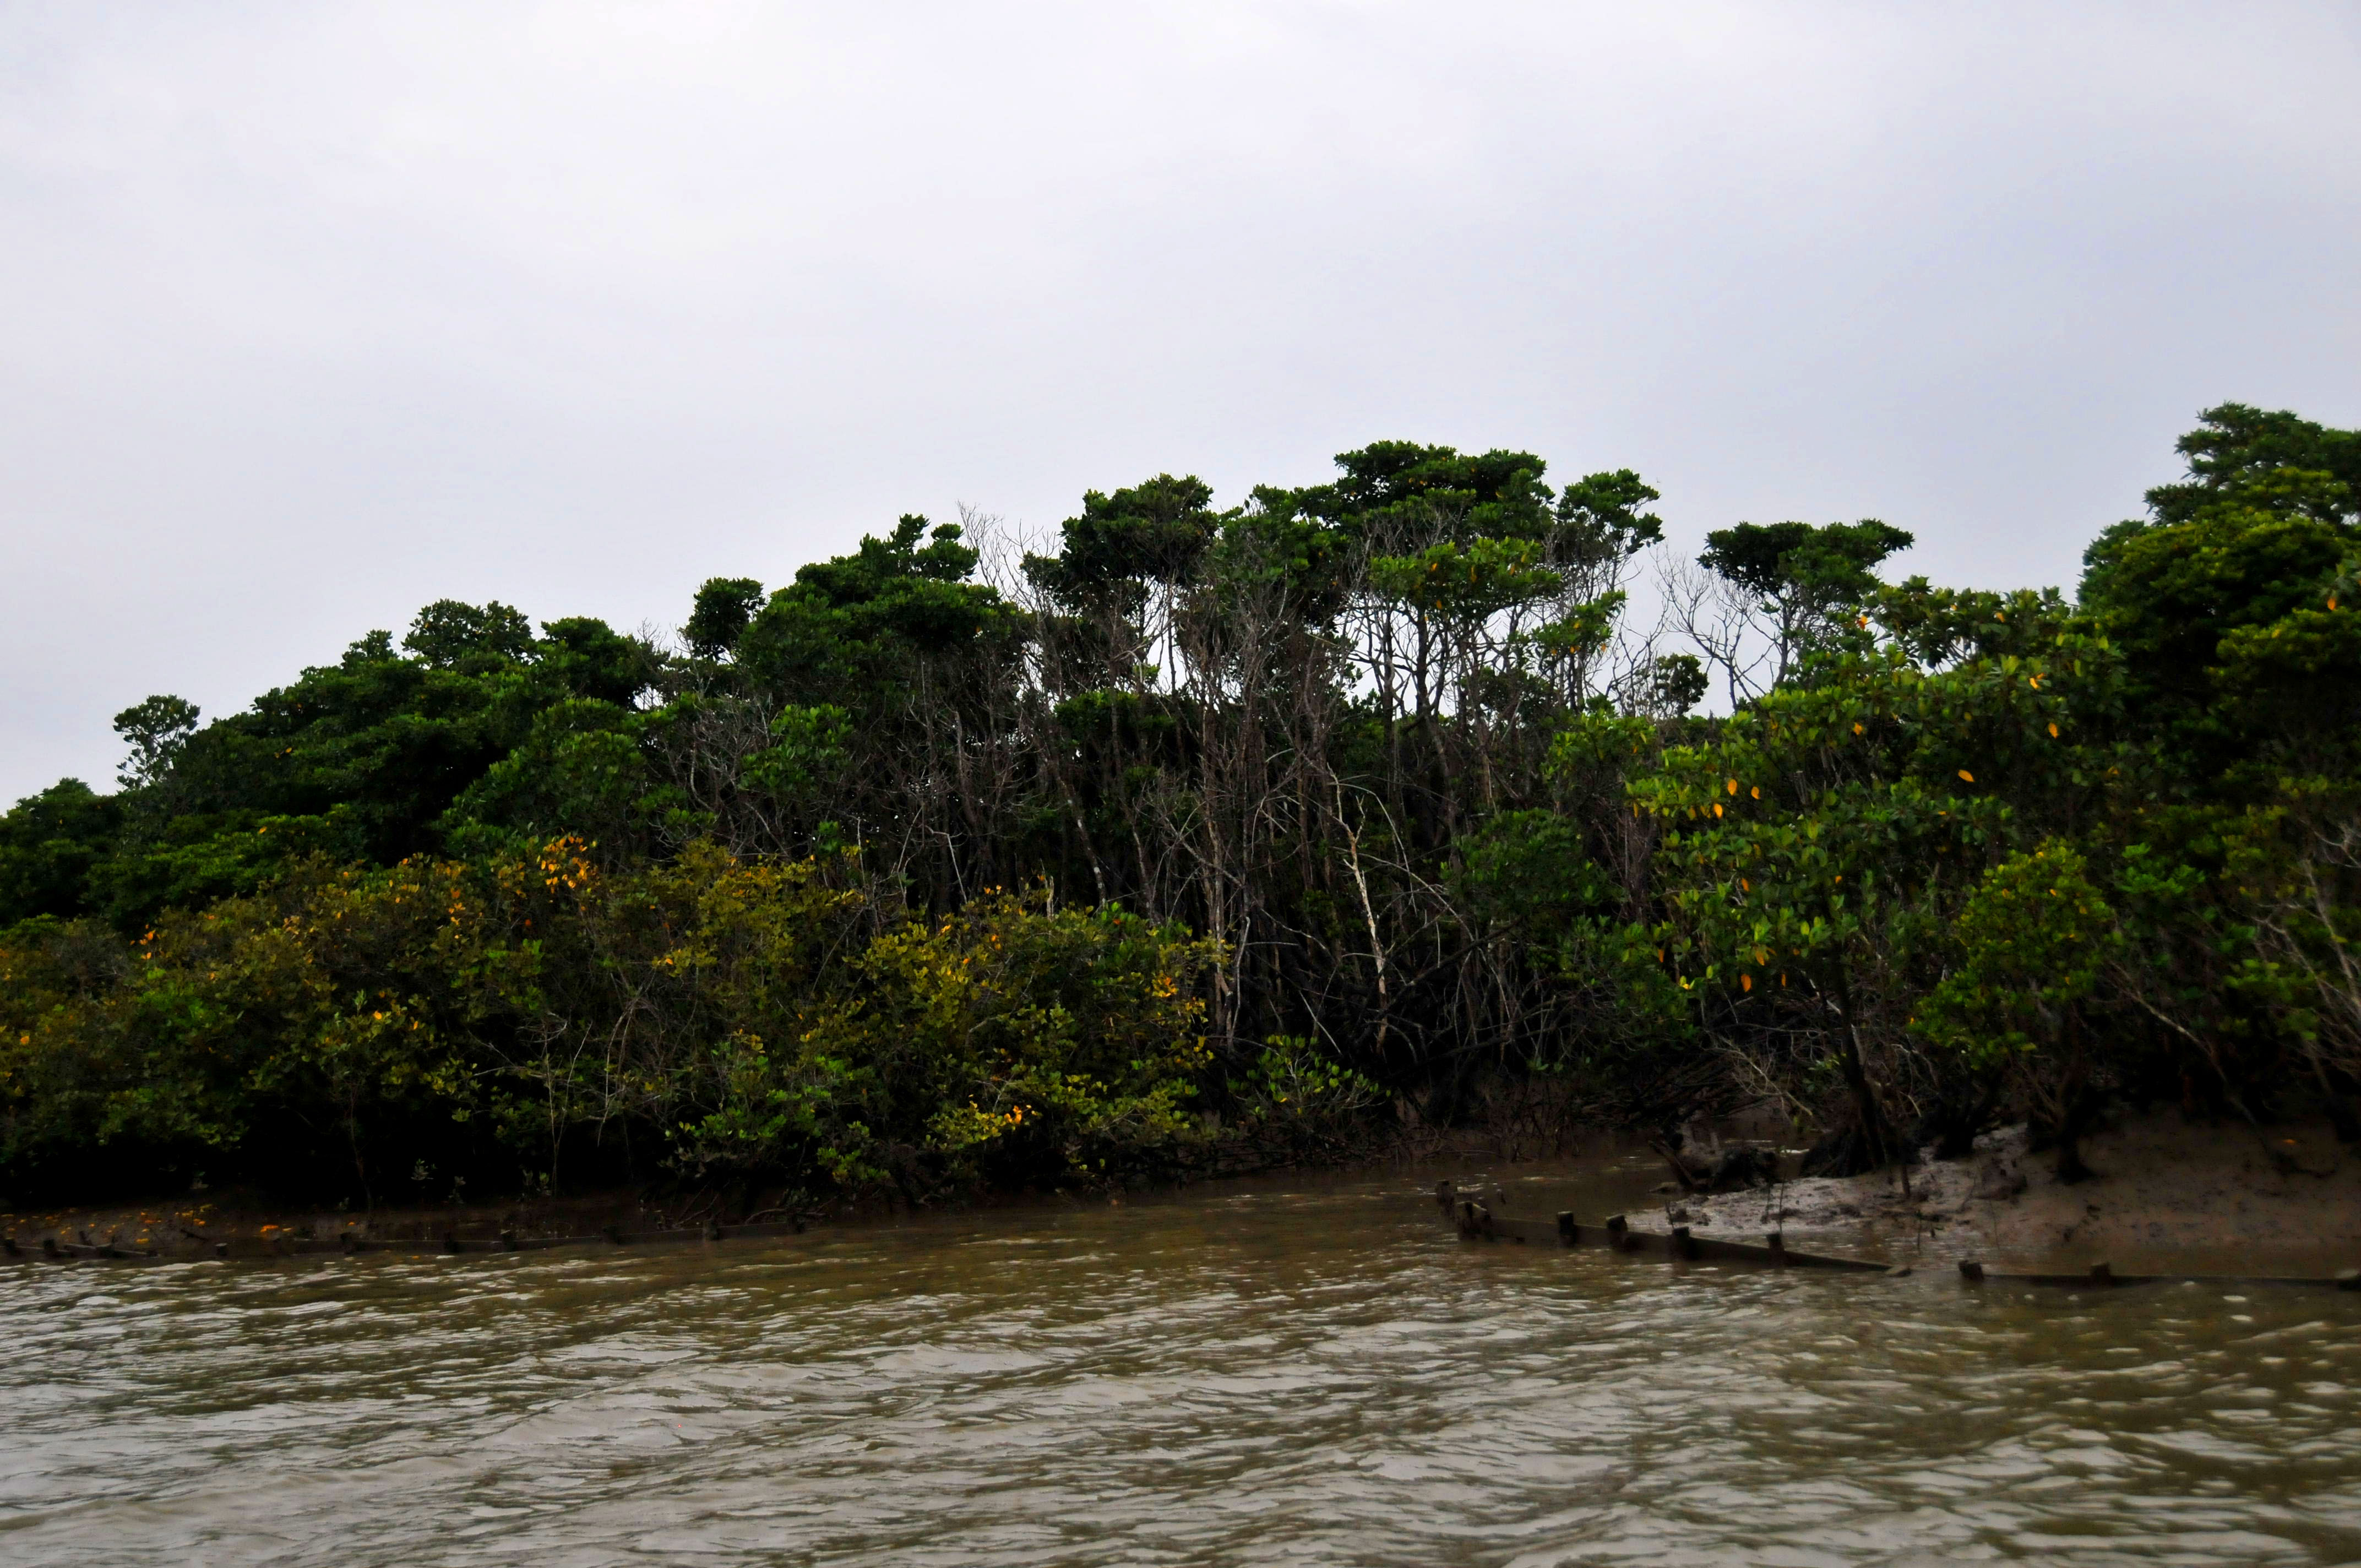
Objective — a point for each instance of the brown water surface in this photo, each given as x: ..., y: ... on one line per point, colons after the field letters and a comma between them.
x: 1278, y: 1372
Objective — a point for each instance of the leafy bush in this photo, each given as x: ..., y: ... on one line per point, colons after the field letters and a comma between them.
x: 738, y: 1015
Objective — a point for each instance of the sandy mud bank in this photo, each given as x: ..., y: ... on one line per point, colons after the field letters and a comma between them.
x: 2167, y: 1195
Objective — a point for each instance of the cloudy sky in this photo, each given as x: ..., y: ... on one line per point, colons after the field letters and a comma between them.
x: 316, y: 311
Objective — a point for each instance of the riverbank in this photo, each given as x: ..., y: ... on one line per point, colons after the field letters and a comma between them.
x: 2168, y: 1195
x: 196, y: 1225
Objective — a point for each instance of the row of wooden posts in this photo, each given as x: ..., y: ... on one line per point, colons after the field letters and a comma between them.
x: 1479, y: 1220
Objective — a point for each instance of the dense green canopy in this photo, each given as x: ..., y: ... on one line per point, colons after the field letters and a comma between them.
x: 1208, y: 835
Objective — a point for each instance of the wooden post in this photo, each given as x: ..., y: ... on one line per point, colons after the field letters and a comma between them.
x: 2349, y: 1280
x: 10, y: 1243
x: 1972, y: 1271
x: 1447, y: 1195
x: 1684, y: 1244
x: 2101, y: 1275
x: 1777, y: 1242
x: 450, y: 1241
x: 1618, y: 1232
x: 1567, y: 1231
x: 508, y: 1241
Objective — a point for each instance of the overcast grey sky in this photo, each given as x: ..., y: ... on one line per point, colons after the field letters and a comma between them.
x: 317, y: 312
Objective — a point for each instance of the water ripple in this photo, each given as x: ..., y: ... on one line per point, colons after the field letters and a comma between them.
x: 1246, y: 1376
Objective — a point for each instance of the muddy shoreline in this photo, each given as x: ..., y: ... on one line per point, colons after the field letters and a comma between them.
x: 196, y: 1224
x: 2167, y: 1195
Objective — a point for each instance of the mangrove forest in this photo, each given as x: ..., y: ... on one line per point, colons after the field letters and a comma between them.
x: 1200, y: 836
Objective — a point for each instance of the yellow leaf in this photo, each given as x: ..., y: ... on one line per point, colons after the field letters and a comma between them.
x: 2053, y: 732
x: 1967, y: 775
x: 1756, y: 792
x: 1861, y: 728
x: 1733, y: 786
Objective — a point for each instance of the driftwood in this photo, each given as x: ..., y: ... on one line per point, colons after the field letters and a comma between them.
x: 2103, y: 1276
x: 1480, y: 1221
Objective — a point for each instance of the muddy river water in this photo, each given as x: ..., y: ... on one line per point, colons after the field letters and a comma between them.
x: 1297, y: 1371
